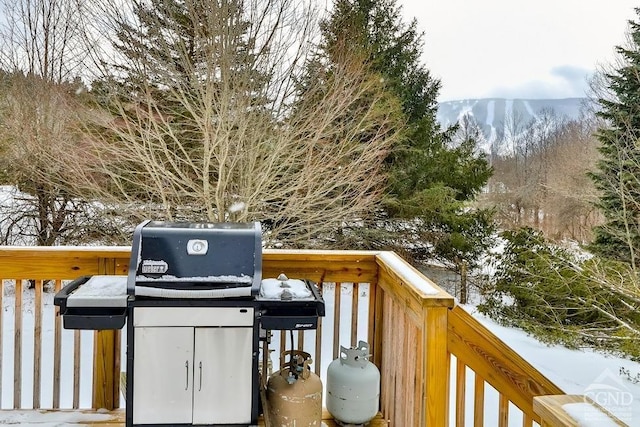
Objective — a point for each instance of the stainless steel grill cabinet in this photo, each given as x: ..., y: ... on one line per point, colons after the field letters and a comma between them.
x: 195, y: 306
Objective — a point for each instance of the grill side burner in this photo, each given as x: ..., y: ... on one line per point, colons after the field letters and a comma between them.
x: 288, y: 304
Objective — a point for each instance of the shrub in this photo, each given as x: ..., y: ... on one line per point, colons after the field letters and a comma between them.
x: 560, y: 297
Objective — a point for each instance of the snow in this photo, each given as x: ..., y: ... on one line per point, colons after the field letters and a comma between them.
x: 491, y: 107
x: 51, y: 418
x: 527, y: 106
x: 275, y: 289
x: 102, y: 286
x: 17, y: 201
x: 67, y: 354
x: 244, y: 279
x: 192, y: 294
x: 587, y: 415
x: 585, y: 372
x: 406, y: 271
x: 100, y: 291
x: 237, y: 207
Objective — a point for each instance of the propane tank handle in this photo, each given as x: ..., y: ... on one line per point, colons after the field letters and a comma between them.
x: 356, y: 356
x: 298, y: 364
x: 306, y: 370
x: 295, y: 355
x: 364, y: 346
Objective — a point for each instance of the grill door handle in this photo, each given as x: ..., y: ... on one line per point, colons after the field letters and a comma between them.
x: 200, y: 366
x: 186, y: 365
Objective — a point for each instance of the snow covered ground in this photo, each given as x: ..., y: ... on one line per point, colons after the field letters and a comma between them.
x: 582, y: 372
x: 576, y: 372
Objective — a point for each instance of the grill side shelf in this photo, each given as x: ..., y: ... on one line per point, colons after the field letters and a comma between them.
x: 60, y: 298
x: 92, y: 312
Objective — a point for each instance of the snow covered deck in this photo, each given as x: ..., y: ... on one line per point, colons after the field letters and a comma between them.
x: 439, y: 365
x: 114, y: 418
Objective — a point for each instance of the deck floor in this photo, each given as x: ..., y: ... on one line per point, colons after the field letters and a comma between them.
x: 114, y: 418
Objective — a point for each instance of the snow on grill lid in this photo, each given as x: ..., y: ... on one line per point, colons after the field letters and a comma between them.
x: 228, y: 278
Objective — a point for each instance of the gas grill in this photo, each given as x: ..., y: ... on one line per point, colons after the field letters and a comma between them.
x: 195, y: 306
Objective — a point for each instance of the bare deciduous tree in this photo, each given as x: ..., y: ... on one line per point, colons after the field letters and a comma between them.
x: 39, y: 140
x: 43, y: 37
x: 571, y: 194
x: 41, y: 59
x: 543, y: 183
x: 226, y: 133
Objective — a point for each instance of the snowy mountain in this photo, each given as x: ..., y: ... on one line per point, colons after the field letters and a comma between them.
x: 493, y: 114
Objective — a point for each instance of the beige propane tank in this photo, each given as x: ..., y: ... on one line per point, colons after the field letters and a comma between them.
x: 294, y: 393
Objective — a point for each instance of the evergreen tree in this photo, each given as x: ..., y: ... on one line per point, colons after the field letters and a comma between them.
x: 560, y: 297
x: 619, y: 168
x: 173, y: 49
x: 206, y: 123
x: 430, y: 177
x: 182, y: 58
x: 175, y: 42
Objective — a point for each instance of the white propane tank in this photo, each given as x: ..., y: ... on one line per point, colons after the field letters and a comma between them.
x: 353, y: 386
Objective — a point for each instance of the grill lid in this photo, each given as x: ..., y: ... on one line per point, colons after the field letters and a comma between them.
x: 197, y: 260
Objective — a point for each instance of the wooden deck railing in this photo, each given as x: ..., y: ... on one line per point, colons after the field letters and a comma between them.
x: 428, y: 351
x: 491, y: 361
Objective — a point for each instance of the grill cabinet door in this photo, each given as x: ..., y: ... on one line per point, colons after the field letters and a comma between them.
x: 163, y: 382
x: 222, y: 376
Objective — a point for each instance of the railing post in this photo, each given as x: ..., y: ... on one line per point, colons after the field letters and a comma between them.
x: 106, y: 358
x: 106, y: 370
x: 437, y: 363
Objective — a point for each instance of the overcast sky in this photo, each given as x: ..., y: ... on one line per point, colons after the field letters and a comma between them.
x: 518, y: 48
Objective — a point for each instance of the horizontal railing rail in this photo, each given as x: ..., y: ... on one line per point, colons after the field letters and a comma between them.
x: 418, y: 339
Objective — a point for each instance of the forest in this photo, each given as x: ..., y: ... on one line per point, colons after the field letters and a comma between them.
x: 321, y: 124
